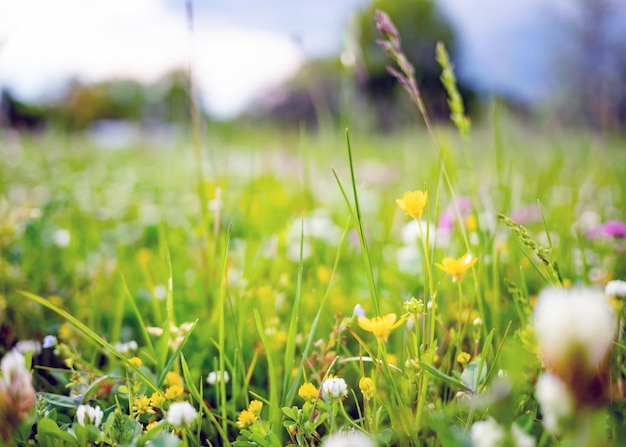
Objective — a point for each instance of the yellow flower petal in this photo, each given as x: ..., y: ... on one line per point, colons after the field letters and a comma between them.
x: 413, y: 203
x: 381, y: 326
x: 457, y: 267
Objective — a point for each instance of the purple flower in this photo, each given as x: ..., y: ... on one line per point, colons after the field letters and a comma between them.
x: 609, y: 229
x: 385, y: 26
x: 526, y: 214
x: 449, y: 216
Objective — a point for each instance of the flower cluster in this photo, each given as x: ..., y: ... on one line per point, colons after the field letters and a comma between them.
x: 17, y: 395
x: 575, y: 330
x: 248, y: 417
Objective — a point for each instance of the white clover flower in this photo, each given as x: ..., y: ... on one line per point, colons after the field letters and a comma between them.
x: 16, y: 385
x: 181, y: 413
x: 160, y: 292
x: 573, y: 326
x: 521, y: 438
x: 12, y: 365
x: 24, y: 346
x: 61, y: 238
x: 615, y: 288
x: 351, y: 438
x: 334, y: 388
x: 556, y: 401
x: 487, y: 433
x: 88, y: 415
x: 125, y: 348
x: 215, y: 376
x: 409, y: 259
x: 156, y: 331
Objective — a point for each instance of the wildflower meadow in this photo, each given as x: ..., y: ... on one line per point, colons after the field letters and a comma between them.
x: 446, y: 285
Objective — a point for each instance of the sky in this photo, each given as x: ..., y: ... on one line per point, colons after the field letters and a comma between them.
x: 240, y: 48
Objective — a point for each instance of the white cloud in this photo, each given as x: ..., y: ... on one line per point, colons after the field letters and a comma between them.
x: 44, y: 43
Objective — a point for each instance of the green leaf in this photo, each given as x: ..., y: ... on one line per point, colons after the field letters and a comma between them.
x: 446, y: 378
x: 50, y: 435
x: 92, y: 337
x: 474, y: 374
x: 165, y: 440
x: 385, y: 436
x: 59, y: 400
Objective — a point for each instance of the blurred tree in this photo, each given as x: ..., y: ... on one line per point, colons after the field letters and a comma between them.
x: 591, y: 63
x: 20, y: 115
x: 421, y: 25
x: 81, y: 104
x: 311, y: 98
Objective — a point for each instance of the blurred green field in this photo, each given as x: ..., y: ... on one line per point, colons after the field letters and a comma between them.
x: 273, y: 271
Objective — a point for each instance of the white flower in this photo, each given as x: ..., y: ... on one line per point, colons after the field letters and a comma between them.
x: 555, y: 400
x: 61, y: 238
x: 215, y: 376
x: 350, y: 438
x: 615, y: 288
x: 49, y: 341
x: 156, y: 331
x: 359, y: 311
x: 334, y: 388
x: 409, y: 259
x: 88, y: 415
x: 181, y: 413
x: 160, y: 292
x: 125, y: 348
x: 521, y: 438
x: 487, y: 433
x: 12, y: 365
x: 25, y: 346
x: 16, y: 384
x: 574, y: 324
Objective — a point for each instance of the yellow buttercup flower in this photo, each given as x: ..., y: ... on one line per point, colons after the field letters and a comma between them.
x: 246, y: 418
x: 308, y: 392
x: 382, y: 326
x: 367, y: 387
x: 457, y: 267
x: 413, y: 203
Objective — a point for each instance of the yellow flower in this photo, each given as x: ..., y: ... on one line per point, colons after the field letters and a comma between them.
x: 174, y: 392
x: 457, y: 267
x: 413, y: 203
x: 157, y: 400
x: 141, y: 405
x: 308, y: 392
x: 135, y: 361
x: 471, y: 223
x: 255, y: 407
x: 173, y: 378
x: 65, y: 332
x: 381, y: 327
x: 246, y: 418
x: 150, y: 426
x: 463, y: 358
x: 367, y: 387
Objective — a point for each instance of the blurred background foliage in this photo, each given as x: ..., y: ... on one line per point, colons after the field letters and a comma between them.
x: 588, y: 67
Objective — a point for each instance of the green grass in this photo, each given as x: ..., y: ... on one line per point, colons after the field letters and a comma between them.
x: 287, y: 256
